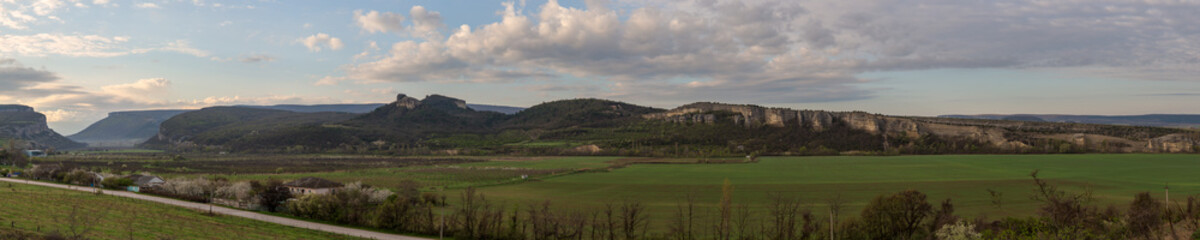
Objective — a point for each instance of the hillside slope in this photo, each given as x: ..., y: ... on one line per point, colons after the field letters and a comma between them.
x: 124, y: 129
x: 1149, y: 120
x: 228, y: 125
x: 444, y: 125
x: 18, y: 122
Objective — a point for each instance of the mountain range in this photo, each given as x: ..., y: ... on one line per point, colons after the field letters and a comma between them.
x: 1151, y: 120
x: 129, y: 128
x: 445, y: 125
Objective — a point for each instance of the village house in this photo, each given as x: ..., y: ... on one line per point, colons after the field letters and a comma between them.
x: 35, y: 153
x: 312, y: 185
x: 143, y: 181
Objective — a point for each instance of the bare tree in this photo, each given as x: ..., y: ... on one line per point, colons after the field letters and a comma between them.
x: 634, y: 219
x: 682, y: 225
x: 726, y: 209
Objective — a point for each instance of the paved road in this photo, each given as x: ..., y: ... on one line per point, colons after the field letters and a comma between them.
x: 230, y: 212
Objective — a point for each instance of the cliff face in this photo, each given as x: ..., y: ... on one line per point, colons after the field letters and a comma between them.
x: 22, y: 123
x: 750, y: 115
x: 1003, y: 134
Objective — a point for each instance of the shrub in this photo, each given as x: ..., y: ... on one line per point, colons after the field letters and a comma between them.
x: 958, y: 231
x: 116, y: 182
x: 895, y: 216
x: 241, y: 191
x: 1145, y: 214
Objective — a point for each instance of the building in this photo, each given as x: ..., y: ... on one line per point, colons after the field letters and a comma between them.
x: 312, y: 185
x: 143, y: 181
x: 35, y: 153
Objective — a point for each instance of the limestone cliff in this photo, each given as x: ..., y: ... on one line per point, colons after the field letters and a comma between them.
x: 1002, y: 134
x: 21, y: 123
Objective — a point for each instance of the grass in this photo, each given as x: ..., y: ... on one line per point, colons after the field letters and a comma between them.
x: 34, y: 208
x: 117, y: 151
x: 549, y: 163
x: 965, y: 179
x: 496, y: 171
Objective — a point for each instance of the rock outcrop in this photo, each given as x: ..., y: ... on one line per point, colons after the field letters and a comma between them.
x: 1175, y: 143
x: 1002, y: 134
x: 21, y: 123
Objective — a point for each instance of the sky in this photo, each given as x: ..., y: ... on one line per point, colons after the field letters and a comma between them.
x: 78, y: 60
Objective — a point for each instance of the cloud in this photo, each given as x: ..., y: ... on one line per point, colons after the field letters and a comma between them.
x: 14, y: 76
x: 45, y: 44
x: 374, y: 21
x: 792, y: 51
x: 19, y: 14
x: 316, y: 42
x: 257, y: 58
x: 178, y: 46
x: 149, y: 91
x: 146, y: 5
x: 426, y: 23
x: 60, y: 115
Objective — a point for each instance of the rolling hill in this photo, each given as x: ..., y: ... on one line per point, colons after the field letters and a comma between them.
x: 123, y: 129
x: 445, y: 125
x: 129, y: 128
x: 1149, y: 120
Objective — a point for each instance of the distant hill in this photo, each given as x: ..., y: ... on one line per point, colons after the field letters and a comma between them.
x: 445, y: 125
x: 232, y: 125
x: 1150, y: 120
x: 21, y: 123
x: 124, y: 129
x: 129, y: 128
x: 368, y: 107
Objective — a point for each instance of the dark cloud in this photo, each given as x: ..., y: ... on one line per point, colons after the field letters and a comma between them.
x: 15, y: 77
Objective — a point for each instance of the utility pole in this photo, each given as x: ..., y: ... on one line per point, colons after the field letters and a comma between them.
x: 831, y: 224
x: 1167, y: 195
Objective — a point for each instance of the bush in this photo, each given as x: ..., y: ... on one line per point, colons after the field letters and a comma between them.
x: 1145, y: 215
x: 895, y: 216
x: 958, y: 231
x: 116, y: 182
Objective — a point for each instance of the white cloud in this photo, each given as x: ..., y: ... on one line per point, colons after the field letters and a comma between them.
x: 319, y: 41
x: 783, y: 51
x: 375, y: 21
x: 146, y: 5
x: 60, y: 115
x: 329, y: 80
x: 19, y: 14
x: 148, y: 91
x: 426, y: 24
x: 182, y: 46
x: 44, y: 44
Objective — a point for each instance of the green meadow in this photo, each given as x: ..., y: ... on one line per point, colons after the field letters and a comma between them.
x: 43, y: 210
x: 855, y: 180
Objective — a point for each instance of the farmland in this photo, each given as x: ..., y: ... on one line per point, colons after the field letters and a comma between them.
x: 993, y: 186
x: 36, y: 209
x: 965, y: 179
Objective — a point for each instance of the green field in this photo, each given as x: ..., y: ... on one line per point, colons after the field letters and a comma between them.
x: 1114, y: 178
x: 492, y: 172
x: 662, y: 183
x: 34, y: 208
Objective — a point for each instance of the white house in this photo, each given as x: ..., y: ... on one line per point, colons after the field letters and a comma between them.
x: 143, y: 181
x: 312, y: 185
